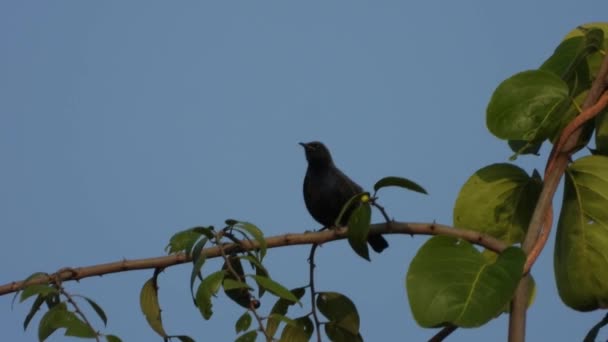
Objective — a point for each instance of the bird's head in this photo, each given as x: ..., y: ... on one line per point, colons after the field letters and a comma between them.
x: 317, y: 154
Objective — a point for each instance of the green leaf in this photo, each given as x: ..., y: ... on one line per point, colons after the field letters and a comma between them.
x: 208, y: 287
x: 198, y: 260
x: 275, y: 288
x: 231, y: 284
x: 351, y: 203
x: 98, y: 310
x: 592, y: 334
x: 358, y: 229
x: 450, y: 282
x: 249, y: 336
x: 257, y: 234
x: 280, y: 308
x: 33, y: 310
x: 581, y: 245
x: 400, y: 182
x: 148, y: 301
x: 498, y: 200
x: 113, y: 338
x: 569, y: 61
x: 523, y: 147
x: 524, y: 105
x: 243, y: 323
x: 184, y: 240
x: 339, y: 310
x: 42, y: 290
x: 336, y: 333
x: 239, y: 295
x: 184, y: 338
x: 601, y: 133
x: 59, y: 317
x: 299, y: 330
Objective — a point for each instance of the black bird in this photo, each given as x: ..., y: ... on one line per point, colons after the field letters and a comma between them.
x: 327, y: 189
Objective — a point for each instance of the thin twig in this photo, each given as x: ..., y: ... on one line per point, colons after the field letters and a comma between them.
x: 443, y: 333
x: 313, y: 293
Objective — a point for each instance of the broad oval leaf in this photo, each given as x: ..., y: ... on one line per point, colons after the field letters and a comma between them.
x: 400, y: 182
x: 581, y: 245
x: 358, y: 229
x: 450, y: 282
x: 207, y: 288
x: 339, y: 310
x: 336, y: 333
x: 524, y: 105
x: 49, y: 321
x: 299, y: 330
x: 148, y: 301
x: 275, y: 288
x: 498, y: 200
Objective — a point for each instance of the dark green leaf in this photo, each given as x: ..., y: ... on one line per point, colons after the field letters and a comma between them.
x: 352, y: 202
x: 76, y: 327
x: 98, y: 310
x: 523, y: 147
x: 243, y: 323
x: 280, y: 309
x: 299, y: 330
x: 256, y: 233
x: 113, y: 338
x: 148, y: 301
x: 33, y: 310
x: 275, y: 288
x: 59, y: 317
x: 184, y: 338
x: 198, y: 260
x: 339, y: 310
x: 42, y: 290
x: 581, y: 245
x: 601, y: 133
x: 250, y: 336
x: 592, y: 334
x: 337, y: 333
x: 358, y: 229
x: 49, y: 321
x: 241, y: 295
x: 208, y: 287
x: 525, y: 105
x: 400, y: 182
x: 498, y: 200
x: 450, y: 282
x: 231, y: 284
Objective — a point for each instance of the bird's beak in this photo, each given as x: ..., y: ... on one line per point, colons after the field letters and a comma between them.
x: 304, y: 145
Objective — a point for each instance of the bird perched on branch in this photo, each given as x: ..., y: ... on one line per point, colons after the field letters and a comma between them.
x: 327, y: 189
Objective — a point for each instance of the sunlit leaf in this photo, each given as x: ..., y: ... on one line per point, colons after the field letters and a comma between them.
x: 450, y: 282
x: 526, y: 104
x: 498, y: 200
x: 148, y: 300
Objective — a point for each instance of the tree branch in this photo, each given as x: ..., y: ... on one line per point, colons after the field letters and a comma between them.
x: 67, y: 274
x: 541, y: 221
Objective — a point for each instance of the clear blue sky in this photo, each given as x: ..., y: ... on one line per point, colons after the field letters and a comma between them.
x: 124, y: 122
